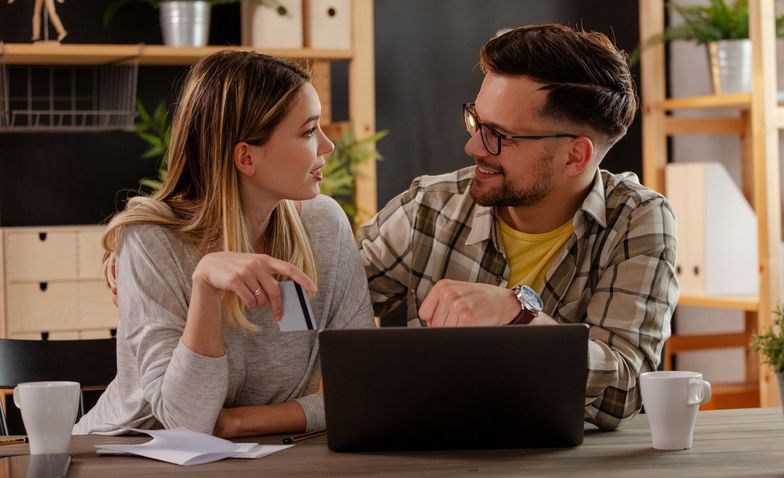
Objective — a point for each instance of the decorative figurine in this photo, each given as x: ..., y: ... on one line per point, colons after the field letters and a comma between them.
x: 52, y: 14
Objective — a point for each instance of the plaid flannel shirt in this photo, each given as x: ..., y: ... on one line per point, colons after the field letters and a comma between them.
x: 615, y: 273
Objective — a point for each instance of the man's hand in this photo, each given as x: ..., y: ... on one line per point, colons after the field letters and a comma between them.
x: 460, y: 304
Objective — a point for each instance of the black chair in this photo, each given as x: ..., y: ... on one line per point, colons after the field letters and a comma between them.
x: 92, y: 363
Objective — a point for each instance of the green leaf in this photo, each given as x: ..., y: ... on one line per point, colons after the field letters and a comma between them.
x: 341, y: 170
x: 771, y: 343
x: 154, y: 130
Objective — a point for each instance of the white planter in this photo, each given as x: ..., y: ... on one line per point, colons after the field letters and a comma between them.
x: 185, y: 23
x: 329, y: 24
x: 730, y: 64
x: 264, y: 27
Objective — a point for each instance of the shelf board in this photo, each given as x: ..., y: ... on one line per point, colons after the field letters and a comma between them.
x: 733, y: 395
x: 735, y: 100
x: 73, y: 54
x: 749, y: 304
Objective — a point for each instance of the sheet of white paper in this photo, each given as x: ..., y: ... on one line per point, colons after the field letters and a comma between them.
x: 257, y: 451
x: 185, y: 447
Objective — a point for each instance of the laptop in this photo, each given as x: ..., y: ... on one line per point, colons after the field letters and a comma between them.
x: 454, y: 388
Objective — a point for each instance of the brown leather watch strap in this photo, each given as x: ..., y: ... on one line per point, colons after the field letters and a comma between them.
x: 523, y: 318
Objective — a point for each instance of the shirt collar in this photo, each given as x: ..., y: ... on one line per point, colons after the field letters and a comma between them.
x: 482, y: 223
x: 594, y: 203
x: 483, y: 218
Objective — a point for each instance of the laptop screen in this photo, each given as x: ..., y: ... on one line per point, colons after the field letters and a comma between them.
x: 450, y: 388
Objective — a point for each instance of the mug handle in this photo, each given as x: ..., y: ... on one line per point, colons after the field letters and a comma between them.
x: 699, y: 391
x: 17, y: 399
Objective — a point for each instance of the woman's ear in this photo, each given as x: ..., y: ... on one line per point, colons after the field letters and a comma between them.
x: 244, y: 158
x: 580, y: 155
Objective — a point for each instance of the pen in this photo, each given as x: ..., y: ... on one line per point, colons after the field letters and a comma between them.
x: 303, y: 436
x: 12, y: 440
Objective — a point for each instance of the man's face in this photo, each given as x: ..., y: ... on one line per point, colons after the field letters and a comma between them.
x: 525, y: 170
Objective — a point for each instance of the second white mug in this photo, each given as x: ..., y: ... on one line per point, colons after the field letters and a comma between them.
x: 48, y: 412
x: 672, y: 400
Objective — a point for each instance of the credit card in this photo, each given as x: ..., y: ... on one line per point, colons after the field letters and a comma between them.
x: 297, y: 313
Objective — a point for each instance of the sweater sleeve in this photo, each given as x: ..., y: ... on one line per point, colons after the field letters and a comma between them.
x: 349, y: 307
x: 183, y: 388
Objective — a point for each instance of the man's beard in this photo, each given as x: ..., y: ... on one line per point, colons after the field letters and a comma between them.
x: 509, y: 196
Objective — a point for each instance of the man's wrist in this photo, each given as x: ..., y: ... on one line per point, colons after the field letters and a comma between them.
x: 524, y: 317
x: 529, y: 302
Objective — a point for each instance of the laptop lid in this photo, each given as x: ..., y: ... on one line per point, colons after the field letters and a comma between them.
x: 449, y: 388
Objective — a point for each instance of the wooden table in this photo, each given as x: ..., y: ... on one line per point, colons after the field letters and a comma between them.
x: 741, y: 442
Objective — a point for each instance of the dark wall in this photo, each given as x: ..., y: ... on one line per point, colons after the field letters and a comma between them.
x: 67, y: 178
x: 427, y: 54
x: 426, y: 57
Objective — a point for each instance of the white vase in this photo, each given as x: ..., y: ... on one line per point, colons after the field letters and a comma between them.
x: 185, y: 23
x: 730, y: 64
x: 264, y: 27
x: 780, y: 378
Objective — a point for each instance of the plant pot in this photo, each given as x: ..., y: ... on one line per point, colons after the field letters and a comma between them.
x: 780, y: 378
x: 730, y: 64
x: 185, y: 23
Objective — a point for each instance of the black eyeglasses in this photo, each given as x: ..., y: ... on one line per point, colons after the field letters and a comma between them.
x: 492, y: 138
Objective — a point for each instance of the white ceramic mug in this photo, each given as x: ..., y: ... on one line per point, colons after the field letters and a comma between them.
x: 49, y: 412
x: 672, y: 400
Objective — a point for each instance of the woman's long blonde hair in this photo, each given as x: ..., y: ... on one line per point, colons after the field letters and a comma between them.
x: 228, y: 97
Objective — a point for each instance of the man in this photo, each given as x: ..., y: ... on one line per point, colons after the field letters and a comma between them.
x: 536, y: 214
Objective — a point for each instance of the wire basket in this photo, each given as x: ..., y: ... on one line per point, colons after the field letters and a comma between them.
x: 73, y: 98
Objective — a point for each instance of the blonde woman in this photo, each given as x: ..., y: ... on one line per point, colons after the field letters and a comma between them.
x: 197, y: 265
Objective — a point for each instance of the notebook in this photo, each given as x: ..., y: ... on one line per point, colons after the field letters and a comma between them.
x: 451, y: 388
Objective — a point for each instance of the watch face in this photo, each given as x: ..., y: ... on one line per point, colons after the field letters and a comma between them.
x: 532, y: 298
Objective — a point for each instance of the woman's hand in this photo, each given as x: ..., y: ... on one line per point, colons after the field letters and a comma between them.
x: 250, y: 276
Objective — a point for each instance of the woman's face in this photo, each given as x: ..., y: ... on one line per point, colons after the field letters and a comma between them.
x: 289, y: 165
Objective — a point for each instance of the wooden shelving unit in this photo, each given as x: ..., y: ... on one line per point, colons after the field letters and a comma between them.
x: 70, y: 54
x: 361, y: 87
x: 757, y: 125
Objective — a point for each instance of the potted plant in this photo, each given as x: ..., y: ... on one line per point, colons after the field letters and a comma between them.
x: 724, y: 28
x: 771, y: 345
x: 339, y: 173
x: 186, y: 22
x: 154, y: 129
x: 341, y: 170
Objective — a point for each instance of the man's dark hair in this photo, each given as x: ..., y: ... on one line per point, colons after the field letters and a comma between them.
x: 587, y: 77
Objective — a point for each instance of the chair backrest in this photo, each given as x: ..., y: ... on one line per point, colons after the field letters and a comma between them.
x: 92, y: 363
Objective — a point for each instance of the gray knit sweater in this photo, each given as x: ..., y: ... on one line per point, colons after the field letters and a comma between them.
x: 162, y: 383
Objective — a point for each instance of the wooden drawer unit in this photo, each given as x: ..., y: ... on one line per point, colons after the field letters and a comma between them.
x: 90, y: 254
x: 41, y: 255
x: 36, y: 307
x: 52, y: 283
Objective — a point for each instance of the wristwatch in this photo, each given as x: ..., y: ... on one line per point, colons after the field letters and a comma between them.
x: 530, y: 305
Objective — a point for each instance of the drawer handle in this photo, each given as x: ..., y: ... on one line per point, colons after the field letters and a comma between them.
x: 43, y: 286
x: 41, y: 236
x: 44, y: 335
x: 113, y: 332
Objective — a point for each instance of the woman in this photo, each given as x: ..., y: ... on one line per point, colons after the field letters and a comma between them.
x: 197, y: 265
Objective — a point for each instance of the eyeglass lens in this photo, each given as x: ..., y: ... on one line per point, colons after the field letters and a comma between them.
x: 489, y: 138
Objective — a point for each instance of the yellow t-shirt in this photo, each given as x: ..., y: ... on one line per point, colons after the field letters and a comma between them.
x: 530, y: 255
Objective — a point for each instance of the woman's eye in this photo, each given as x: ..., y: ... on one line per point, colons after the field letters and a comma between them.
x: 310, y: 131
